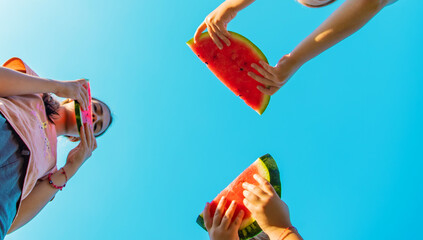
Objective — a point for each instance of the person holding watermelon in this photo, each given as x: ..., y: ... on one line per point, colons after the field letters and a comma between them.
x: 347, y: 19
x: 30, y: 122
x: 270, y: 212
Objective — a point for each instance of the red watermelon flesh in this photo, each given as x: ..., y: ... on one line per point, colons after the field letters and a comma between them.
x: 84, y: 116
x: 231, y: 65
x: 234, y: 191
x: 266, y: 167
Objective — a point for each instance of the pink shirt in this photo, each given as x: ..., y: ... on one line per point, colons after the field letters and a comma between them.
x: 26, y: 114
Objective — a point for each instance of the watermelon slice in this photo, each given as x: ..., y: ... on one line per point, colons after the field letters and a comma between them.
x: 231, y: 65
x: 266, y: 167
x: 84, y: 116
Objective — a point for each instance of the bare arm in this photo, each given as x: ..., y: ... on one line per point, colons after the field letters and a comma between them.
x: 346, y: 20
x: 13, y: 83
x: 43, y: 192
x: 216, y: 22
x: 16, y: 83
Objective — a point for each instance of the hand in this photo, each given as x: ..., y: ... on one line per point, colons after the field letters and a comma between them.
x: 270, y: 212
x: 274, y: 77
x: 83, y: 151
x: 222, y: 228
x: 216, y: 23
x: 74, y: 90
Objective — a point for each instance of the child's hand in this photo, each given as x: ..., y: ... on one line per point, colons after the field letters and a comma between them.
x: 216, y: 23
x: 221, y: 226
x: 274, y: 77
x: 270, y: 212
x: 83, y: 151
x: 74, y: 90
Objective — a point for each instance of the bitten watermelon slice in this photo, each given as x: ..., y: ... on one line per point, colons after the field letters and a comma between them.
x: 266, y: 167
x: 84, y: 116
x: 231, y: 65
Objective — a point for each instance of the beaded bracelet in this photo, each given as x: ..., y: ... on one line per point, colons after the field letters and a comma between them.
x: 283, y: 235
x: 54, y: 185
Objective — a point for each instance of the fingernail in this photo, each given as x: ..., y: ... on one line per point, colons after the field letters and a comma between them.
x: 244, y: 184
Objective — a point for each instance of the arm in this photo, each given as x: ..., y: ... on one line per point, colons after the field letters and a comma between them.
x: 43, y: 192
x: 13, y: 83
x: 216, y: 22
x: 347, y: 19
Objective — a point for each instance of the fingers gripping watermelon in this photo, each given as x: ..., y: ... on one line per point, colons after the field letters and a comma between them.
x: 266, y: 167
x: 231, y: 65
x: 84, y: 116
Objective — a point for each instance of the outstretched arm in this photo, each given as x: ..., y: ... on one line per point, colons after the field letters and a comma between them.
x: 216, y: 22
x: 347, y: 19
x: 13, y: 83
x: 43, y: 192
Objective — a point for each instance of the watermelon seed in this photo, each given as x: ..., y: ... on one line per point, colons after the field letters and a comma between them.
x: 206, y: 63
x: 241, y: 69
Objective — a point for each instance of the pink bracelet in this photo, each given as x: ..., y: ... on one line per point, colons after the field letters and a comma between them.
x: 66, y: 176
x: 284, y: 235
x: 54, y: 185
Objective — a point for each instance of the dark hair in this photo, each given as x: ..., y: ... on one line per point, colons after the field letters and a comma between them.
x: 51, y: 105
x: 317, y: 6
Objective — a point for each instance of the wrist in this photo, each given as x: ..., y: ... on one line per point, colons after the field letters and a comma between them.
x: 288, y: 233
x: 71, y: 168
x: 274, y: 232
x: 54, y: 85
x: 236, y: 5
x: 294, y: 60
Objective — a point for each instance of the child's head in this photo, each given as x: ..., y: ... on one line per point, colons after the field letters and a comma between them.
x: 316, y: 3
x: 102, y: 116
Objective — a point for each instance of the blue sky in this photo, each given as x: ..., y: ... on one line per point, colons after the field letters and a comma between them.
x: 345, y: 131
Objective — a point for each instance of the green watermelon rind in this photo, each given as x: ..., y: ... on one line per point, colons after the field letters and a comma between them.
x: 253, y: 229
x: 266, y: 98
x: 78, y: 116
